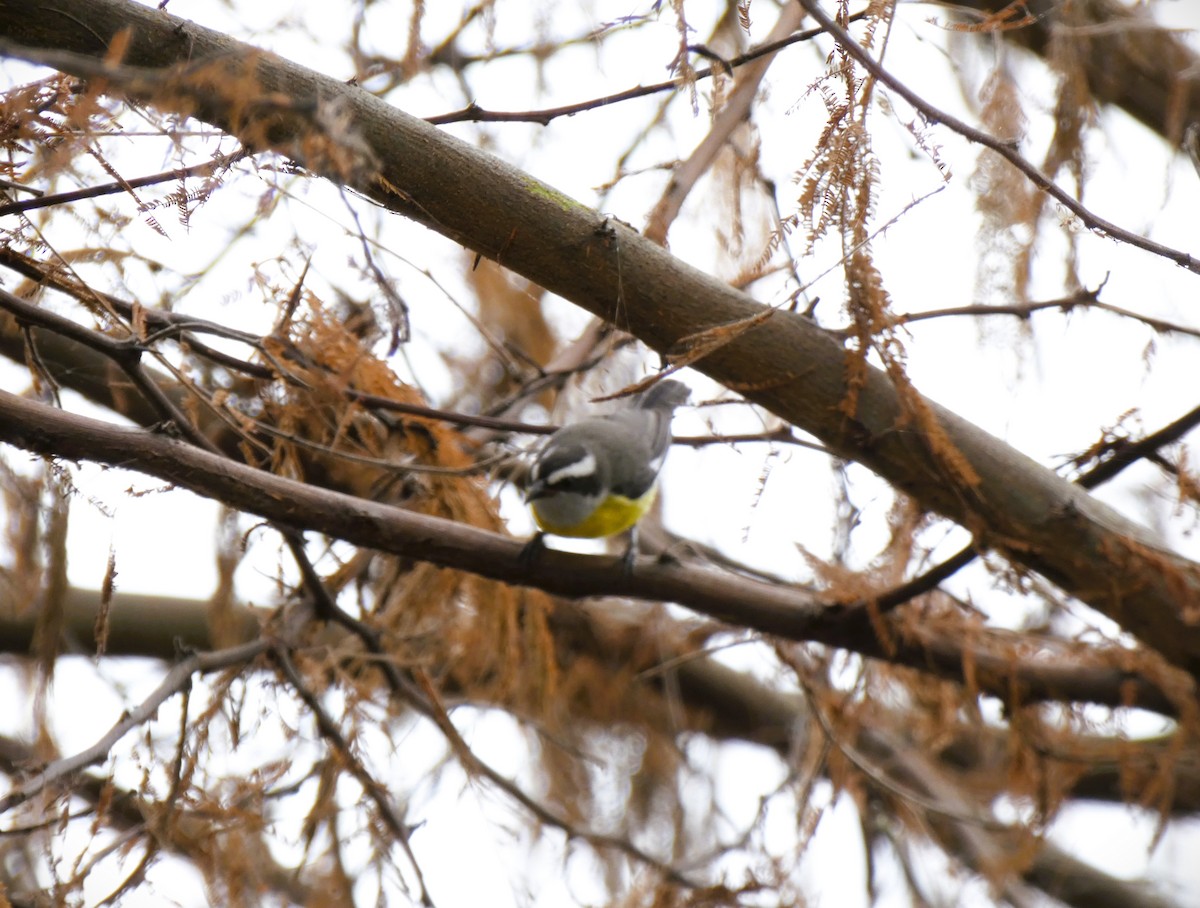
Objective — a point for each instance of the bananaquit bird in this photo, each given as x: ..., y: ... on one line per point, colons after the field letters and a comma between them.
x: 597, y: 477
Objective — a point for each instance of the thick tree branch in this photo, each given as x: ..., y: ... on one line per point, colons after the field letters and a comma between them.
x: 784, y: 363
x: 136, y: 624
x: 720, y: 701
x: 989, y: 663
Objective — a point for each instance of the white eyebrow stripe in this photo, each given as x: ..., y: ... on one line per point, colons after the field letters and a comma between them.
x: 584, y: 467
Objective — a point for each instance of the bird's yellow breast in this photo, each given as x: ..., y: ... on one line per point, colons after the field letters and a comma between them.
x: 613, y: 515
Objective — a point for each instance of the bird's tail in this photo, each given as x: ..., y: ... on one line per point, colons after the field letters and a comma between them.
x: 666, y: 395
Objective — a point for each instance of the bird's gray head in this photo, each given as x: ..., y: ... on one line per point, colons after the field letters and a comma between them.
x: 567, y: 468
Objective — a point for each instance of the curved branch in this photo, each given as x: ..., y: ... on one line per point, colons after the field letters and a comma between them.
x: 990, y: 664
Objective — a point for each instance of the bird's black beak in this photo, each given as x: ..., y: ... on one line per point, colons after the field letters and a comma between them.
x: 534, y: 490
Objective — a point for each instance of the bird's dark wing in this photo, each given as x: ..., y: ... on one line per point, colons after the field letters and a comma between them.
x: 648, y: 436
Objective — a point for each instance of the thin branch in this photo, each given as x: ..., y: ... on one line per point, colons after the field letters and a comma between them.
x: 1005, y: 148
x: 472, y: 763
x: 164, y: 323
x: 919, y: 585
x: 126, y: 354
x: 784, y: 435
x: 1124, y: 452
x: 64, y: 198
x: 474, y: 113
x: 733, y: 112
x: 1083, y: 299
x: 879, y: 776
x: 175, y: 681
x: 331, y: 733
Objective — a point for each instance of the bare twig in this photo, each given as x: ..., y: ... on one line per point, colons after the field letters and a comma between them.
x: 1083, y: 299
x: 64, y: 198
x: 474, y: 113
